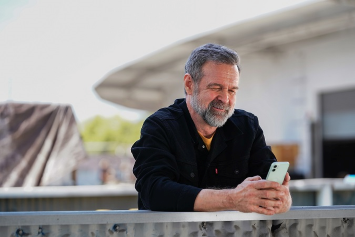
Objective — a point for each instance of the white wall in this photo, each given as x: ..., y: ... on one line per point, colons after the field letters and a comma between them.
x: 282, y: 86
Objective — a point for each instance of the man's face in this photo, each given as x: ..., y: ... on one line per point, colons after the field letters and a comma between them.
x: 215, y: 96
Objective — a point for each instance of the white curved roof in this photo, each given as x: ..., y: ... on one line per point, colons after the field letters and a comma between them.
x: 157, y: 79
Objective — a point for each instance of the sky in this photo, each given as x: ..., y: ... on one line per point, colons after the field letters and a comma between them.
x: 57, y: 51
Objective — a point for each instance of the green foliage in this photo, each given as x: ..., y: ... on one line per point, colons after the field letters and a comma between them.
x: 114, y: 129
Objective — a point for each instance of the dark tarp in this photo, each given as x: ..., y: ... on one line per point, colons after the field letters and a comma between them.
x: 39, y: 144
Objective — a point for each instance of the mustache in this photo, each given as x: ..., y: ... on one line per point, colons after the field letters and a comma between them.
x: 219, y: 105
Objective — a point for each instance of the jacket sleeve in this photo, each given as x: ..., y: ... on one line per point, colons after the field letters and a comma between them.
x: 261, y: 156
x: 157, y: 171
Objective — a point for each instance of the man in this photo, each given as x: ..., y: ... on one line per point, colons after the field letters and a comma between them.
x: 200, y: 154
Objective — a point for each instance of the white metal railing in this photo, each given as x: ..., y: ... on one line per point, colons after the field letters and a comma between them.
x: 299, y: 221
x: 324, y: 188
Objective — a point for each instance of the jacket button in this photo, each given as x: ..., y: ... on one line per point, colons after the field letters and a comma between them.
x: 192, y: 175
x: 236, y: 172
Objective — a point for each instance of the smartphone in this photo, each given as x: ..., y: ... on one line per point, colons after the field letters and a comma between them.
x: 277, y: 172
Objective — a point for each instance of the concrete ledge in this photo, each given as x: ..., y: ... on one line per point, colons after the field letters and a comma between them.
x: 298, y: 222
x: 104, y: 217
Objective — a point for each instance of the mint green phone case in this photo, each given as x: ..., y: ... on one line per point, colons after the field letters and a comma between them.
x: 277, y: 172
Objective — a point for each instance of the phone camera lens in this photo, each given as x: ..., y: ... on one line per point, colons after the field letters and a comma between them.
x: 273, y: 170
x: 275, y: 166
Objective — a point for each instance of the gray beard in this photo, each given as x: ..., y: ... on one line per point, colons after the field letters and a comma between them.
x: 211, y: 117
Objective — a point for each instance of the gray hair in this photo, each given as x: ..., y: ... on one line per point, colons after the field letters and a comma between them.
x: 209, y: 52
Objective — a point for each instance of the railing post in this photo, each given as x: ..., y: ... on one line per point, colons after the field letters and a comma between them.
x: 325, y: 195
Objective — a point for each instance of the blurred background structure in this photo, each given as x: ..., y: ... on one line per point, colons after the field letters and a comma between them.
x: 111, y: 65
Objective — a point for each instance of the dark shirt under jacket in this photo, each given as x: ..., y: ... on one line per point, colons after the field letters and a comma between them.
x: 173, y: 165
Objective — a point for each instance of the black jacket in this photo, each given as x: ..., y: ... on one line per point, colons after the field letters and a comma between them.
x: 172, y: 164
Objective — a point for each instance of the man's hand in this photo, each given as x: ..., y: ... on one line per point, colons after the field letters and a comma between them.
x: 287, y: 200
x: 262, y: 196
x: 252, y: 195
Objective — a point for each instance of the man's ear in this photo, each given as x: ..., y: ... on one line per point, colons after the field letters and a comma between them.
x: 188, y: 84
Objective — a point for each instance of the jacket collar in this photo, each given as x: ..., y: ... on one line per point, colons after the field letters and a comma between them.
x: 190, y: 123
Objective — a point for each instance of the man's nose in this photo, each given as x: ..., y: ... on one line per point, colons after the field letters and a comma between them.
x: 224, y: 96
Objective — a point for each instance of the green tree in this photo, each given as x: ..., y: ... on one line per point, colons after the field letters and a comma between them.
x: 114, y: 131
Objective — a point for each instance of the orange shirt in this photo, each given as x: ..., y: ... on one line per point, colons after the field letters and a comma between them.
x: 206, y: 140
